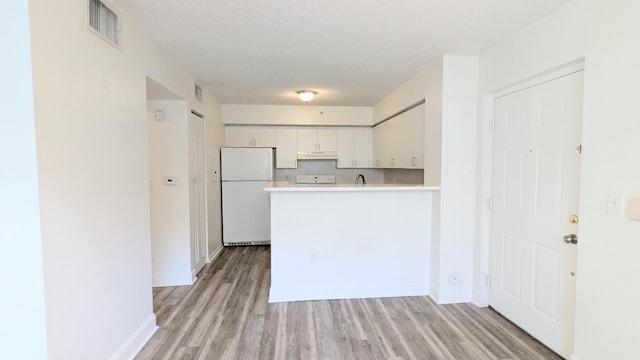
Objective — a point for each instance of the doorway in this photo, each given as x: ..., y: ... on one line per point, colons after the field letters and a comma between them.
x: 197, y: 194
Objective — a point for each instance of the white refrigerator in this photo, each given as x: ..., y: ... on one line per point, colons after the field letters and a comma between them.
x: 246, y: 212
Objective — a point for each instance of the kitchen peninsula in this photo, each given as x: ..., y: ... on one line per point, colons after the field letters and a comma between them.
x: 350, y: 241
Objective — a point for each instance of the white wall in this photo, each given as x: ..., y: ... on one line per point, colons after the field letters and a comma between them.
x: 605, y: 34
x: 297, y: 115
x: 91, y: 131
x: 407, y: 94
x: 458, y: 178
x: 169, y: 204
x: 22, y: 324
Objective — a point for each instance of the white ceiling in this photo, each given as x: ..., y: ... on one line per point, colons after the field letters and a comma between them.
x: 353, y: 52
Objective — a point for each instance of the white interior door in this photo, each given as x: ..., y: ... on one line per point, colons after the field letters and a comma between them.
x: 197, y: 193
x: 536, y: 188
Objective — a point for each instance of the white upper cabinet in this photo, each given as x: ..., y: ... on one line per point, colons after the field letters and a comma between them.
x: 286, y: 147
x: 381, y: 145
x: 252, y: 136
x: 354, y: 147
x: 317, y: 139
x: 399, y: 141
x: 417, y: 121
x: 362, y: 147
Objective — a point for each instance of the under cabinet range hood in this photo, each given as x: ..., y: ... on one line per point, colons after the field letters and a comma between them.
x: 318, y: 155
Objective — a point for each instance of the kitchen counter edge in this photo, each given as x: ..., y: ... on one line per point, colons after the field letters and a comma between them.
x: 286, y: 187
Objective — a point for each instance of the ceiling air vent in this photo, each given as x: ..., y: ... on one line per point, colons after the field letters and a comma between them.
x: 104, y: 21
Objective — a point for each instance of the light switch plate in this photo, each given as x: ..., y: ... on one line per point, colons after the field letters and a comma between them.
x: 614, y: 205
x: 633, y: 208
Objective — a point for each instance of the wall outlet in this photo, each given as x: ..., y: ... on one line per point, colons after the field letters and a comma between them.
x: 315, y: 256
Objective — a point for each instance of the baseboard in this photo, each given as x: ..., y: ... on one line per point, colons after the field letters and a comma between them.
x: 172, y: 279
x: 215, y: 254
x: 482, y: 299
x: 451, y: 297
x: 303, y: 294
x: 434, y: 293
x: 137, y: 340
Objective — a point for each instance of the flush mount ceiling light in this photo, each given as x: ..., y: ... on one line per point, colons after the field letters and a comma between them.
x: 306, y: 95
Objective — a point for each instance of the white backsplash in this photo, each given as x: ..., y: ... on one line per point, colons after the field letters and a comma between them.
x: 328, y: 167
x: 403, y: 176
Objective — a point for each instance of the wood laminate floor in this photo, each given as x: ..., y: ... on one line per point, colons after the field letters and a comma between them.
x: 225, y: 315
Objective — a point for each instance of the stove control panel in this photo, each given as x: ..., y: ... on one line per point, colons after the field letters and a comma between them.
x: 315, y: 179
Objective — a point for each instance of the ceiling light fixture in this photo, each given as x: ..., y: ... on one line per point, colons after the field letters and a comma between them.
x: 306, y: 95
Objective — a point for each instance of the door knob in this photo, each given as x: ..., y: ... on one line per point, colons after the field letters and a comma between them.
x: 571, y: 239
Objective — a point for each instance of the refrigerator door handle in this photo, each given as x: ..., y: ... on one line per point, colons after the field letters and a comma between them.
x: 269, y: 173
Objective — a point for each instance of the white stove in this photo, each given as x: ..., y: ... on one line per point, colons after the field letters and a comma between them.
x: 315, y: 179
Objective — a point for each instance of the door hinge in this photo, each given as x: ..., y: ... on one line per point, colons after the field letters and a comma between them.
x: 579, y: 148
x: 491, y: 204
x: 489, y: 281
x: 493, y: 124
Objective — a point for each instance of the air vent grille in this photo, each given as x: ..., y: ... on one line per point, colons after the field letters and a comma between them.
x: 198, y: 92
x: 243, y: 243
x: 104, y: 21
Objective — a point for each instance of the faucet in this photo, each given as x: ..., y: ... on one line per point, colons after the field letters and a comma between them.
x: 360, y: 176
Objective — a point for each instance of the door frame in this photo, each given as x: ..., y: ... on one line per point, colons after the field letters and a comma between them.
x: 482, y: 269
x: 205, y: 181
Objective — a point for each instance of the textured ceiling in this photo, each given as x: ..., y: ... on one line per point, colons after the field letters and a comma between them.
x: 353, y: 52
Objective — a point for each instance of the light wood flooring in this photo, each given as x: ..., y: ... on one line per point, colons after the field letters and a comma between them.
x: 225, y: 315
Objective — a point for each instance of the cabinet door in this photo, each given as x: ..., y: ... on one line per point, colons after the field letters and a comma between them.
x: 418, y: 125
x: 286, y: 148
x: 346, y: 147
x: 403, y: 140
x: 392, y: 143
x: 361, y: 147
x: 307, y: 139
x: 264, y: 136
x: 327, y: 139
x: 240, y: 136
x: 378, y: 148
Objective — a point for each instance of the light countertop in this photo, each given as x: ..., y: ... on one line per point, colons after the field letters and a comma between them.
x: 286, y: 187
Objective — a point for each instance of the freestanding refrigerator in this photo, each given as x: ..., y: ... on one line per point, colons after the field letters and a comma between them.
x: 246, y: 213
